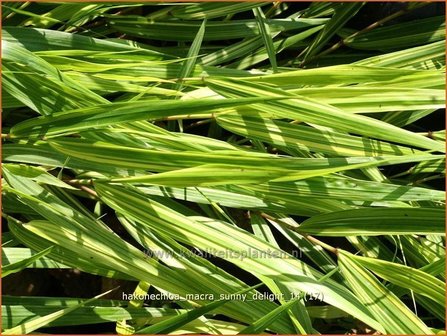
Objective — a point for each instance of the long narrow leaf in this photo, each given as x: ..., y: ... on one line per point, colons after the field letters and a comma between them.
x: 395, y: 317
x: 388, y: 221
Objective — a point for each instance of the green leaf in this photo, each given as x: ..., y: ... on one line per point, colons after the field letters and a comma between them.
x: 12, y: 255
x: 213, y: 175
x: 300, y: 137
x: 343, y: 188
x: 428, y: 57
x: 24, y: 75
x: 406, y: 277
x: 236, y: 197
x: 36, y: 323
x: 215, y: 30
x: 20, y: 265
x: 395, y: 317
x: 15, y: 310
x: 369, y: 99
x: 101, y: 116
x: 138, y: 158
x: 312, y: 111
x: 204, y: 175
x: 34, y: 39
x: 261, y: 324
x: 342, y: 14
x: 36, y: 174
x: 188, y: 65
x: 354, y: 74
x: 264, y: 30
x: 294, y: 41
x: 175, y: 322
x: 210, y: 10
x: 401, y: 35
x: 377, y: 221
x: 44, y: 154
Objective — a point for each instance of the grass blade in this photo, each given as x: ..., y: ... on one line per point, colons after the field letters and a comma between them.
x: 266, y: 36
x: 406, y: 277
x: 180, y: 320
x: 342, y: 14
x: 39, y: 322
x: 18, y: 266
x: 387, y: 221
x: 395, y: 317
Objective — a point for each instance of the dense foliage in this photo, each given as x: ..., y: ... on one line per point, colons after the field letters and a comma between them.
x: 208, y: 153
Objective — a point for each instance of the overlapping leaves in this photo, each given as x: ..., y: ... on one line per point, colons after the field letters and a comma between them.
x: 226, y: 128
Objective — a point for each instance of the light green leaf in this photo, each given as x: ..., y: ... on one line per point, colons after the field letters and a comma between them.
x: 36, y: 323
x: 394, y: 316
x: 11, y: 255
x: 312, y: 111
x: 280, y: 133
x: 20, y: 265
x: 36, y: 174
x: 407, y: 277
x: 102, y: 116
x: 189, y: 63
x: 377, y: 221
x: 175, y: 322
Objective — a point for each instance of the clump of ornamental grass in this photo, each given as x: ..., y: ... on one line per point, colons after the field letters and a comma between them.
x: 224, y: 168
